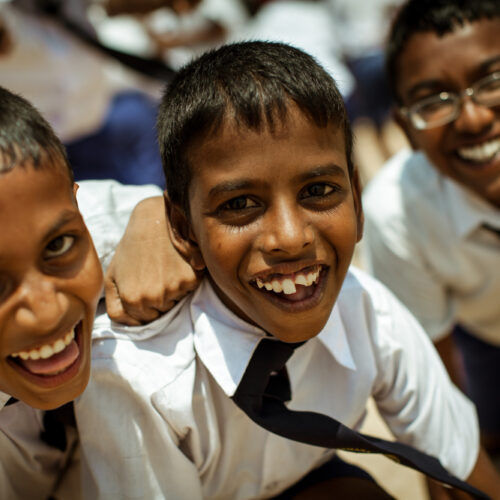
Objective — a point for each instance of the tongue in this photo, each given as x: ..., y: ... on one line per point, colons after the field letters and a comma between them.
x: 56, y: 363
x: 303, y: 292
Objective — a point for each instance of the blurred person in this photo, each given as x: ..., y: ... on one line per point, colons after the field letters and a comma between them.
x: 94, y: 104
x: 433, y: 214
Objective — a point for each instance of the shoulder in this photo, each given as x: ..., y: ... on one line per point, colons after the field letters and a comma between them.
x: 367, y: 305
x: 153, y: 355
x: 399, y: 188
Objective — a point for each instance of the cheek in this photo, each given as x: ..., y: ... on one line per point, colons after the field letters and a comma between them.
x: 91, y: 282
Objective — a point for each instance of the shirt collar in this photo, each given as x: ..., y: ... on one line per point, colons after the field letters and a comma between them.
x: 467, y: 210
x: 3, y: 399
x: 225, y: 343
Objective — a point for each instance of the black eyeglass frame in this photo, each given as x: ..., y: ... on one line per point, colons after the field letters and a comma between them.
x: 411, y: 113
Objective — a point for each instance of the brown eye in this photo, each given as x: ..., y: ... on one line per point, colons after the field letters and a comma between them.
x: 239, y: 203
x: 59, y: 246
x: 317, y: 190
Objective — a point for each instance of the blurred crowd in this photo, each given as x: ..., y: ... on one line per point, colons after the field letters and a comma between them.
x: 95, y: 68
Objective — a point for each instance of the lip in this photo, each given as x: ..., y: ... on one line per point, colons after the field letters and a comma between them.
x: 280, y: 300
x: 284, y: 270
x: 51, y: 381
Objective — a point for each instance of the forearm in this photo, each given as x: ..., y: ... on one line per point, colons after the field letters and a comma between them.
x: 485, y: 477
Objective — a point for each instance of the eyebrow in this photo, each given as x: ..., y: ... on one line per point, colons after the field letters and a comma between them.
x: 424, y: 85
x: 436, y: 84
x: 241, y: 184
x: 485, y: 65
x: 66, y: 217
x: 322, y: 170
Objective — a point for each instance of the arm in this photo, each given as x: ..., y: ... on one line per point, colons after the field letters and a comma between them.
x: 483, y: 476
x: 415, y: 395
x: 449, y: 354
x: 146, y: 276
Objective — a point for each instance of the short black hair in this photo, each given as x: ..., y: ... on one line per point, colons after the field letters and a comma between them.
x: 437, y: 16
x: 254, y: 83
x: 26, y: 137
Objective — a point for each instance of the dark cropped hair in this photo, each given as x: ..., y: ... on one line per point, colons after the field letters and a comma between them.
x: 26, y: 137
x: 437, y: 16
x: 254, y: 84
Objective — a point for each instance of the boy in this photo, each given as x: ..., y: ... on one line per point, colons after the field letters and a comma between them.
x: 262, y: 194
x: 50, y: 282
x: 431, y: 214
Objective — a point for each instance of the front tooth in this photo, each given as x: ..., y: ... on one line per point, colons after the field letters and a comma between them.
x: 46, y: 352
x: 309, y: 279
x: 276, y: 286
x: 288, y: 286
x: 300, y: 279
x: 260, y: 284
x: 268, y: 286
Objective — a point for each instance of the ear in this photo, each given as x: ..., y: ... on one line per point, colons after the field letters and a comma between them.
x: 181, y: 235
x: 358, y: 206
x: 405, y: 125
x: 75, y: 189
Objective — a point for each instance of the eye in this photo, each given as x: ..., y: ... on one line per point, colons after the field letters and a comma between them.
x: 316, y: 190
x: 238, y: 203
x: 59, y: 246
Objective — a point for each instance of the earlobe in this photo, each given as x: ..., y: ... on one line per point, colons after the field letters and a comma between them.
x: 180, y: 233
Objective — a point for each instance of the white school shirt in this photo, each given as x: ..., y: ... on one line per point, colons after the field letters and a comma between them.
x: 424, y: 238
x: 157, y: 421
x: 29, y: 468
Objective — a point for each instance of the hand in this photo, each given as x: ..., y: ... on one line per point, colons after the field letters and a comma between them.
x: 147, y: 276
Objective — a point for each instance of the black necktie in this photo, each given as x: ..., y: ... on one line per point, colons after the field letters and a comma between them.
x: 263, y: 391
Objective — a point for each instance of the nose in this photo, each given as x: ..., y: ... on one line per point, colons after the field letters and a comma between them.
x: 40, y: 305
x: 287, y: 230
x: 474, y: 118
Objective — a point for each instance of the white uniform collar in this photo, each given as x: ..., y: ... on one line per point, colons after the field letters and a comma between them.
x: 225, y: 343
x: 3, y: 399
x: 467, y: 210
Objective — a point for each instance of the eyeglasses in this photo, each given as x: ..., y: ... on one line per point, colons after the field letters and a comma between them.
x: 445, y: 107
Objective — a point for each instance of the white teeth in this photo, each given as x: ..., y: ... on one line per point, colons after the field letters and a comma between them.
x: 46, y: 351
x: 482, y: 153
x: 300, y: 279
x: 288, y: 285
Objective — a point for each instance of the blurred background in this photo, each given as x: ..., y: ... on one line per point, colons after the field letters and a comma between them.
x: 96, y: 69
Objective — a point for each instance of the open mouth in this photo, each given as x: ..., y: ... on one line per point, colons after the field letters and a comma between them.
x: 298, y: 290
x: 480, y: 154
x: 51, y: 363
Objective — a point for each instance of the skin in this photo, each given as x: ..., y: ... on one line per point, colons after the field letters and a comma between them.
x: 50, y: 281
x: 467, y: 54
x: 271, y: 204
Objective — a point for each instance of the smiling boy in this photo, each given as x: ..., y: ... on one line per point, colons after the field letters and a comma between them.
x: 432, y: 213
x: 50, y: 283
x: 263, y: 195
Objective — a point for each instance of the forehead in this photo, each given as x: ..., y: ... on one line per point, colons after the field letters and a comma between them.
x: 294, y: 144
x: 457, y: 57
x: 32, y: 201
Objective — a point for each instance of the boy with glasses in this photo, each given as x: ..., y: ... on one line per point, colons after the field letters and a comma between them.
x: 433, y: 215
